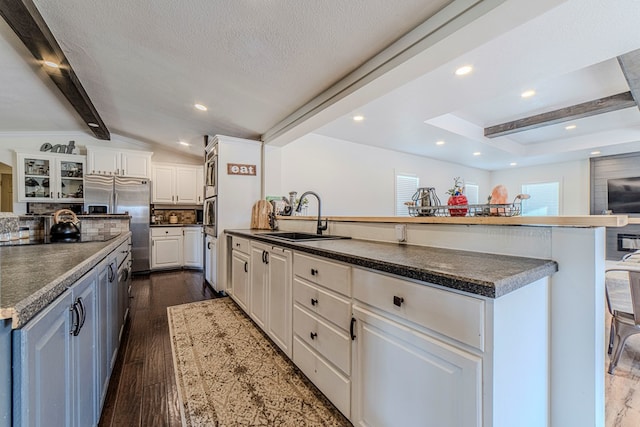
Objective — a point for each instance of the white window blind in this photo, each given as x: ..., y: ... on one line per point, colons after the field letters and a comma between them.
x: 544, y: 201
x: 471, y: 191
x: 406, y: 186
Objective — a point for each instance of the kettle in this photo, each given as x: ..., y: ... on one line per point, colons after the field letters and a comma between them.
x: 65, y: 229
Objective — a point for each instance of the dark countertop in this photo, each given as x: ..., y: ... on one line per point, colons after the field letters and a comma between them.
x: 35, y: 275
x: 175, y: 225
x: 479, y: 273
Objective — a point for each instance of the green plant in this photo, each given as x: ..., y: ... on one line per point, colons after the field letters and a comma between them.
x: 305, y: 202
x: 458, y: 187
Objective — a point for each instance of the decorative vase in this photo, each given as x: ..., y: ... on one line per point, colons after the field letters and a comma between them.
x: 455, y: 201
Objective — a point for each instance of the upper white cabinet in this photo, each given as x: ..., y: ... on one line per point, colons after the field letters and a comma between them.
x: 50, y: 177
x: 104, y: 161
x: 177, y: 184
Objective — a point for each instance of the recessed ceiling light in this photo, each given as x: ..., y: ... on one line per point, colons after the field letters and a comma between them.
x: 93, y: 125
x: 439, y: 142
x: 570, y: 127
x: 464, y: 70
x: 595, y: 152
x: 528, y: 93
x: 513, y: 164
x: 477, y: 153
x: 358, y: 118
x: 186, y: 144
x: 51, y: 64
x: 201, y: 107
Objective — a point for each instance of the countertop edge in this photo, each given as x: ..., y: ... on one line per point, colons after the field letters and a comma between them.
x: 477, y: 287
x: 49, y: 292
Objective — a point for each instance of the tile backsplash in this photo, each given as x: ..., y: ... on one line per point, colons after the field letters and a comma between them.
x: 185, y: 216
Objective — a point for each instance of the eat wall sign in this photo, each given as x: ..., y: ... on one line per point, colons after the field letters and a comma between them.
x: 238, y: 169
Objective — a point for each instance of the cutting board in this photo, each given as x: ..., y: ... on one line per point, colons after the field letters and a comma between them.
x: 260, y: 215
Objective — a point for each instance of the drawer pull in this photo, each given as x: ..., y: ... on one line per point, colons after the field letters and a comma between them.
x: 313, y: 335
x: 314, y: 301
x: 397, y: 300
x: 246, y: 267
x: 237, y: 245
x: 352, y: 328
x: 314, y: 271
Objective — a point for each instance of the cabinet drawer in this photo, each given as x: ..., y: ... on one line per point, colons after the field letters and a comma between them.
x: 331, y: 383
x: 328, y: 305
x: 330, y: 342
x: 240, y: 244
x: 166, y: 231
x: 457, y: 316
x: 328, y: 274
x: 123, y: 250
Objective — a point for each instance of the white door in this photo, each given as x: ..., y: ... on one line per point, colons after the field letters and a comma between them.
x: 279, y: 326
x: 166, y: 252
x: 258, y: 283
x: 186, y: 185
x: 200, y: 185
x: 192, y: 247
x: 162, y: 182
x: 402, y: 377
x: 240, y: 278
x: 135, y: 165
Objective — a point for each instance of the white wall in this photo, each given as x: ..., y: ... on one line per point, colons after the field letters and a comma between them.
x: 572, y: 176
x: 355, y: 179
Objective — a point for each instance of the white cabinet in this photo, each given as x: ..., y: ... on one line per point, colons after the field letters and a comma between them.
x: 211, y: 260
x: 108, y: 330
x: 270, y: 292
x: 240, y: 267
x: 105, y: 161
x: 50, y: 177
x: 193, y: 245
x: 177, y: 184
x: 175, y: 247
x: 166, y: 247
x: 321, y: 322
x: 403, y: 370
x: 55, y: 362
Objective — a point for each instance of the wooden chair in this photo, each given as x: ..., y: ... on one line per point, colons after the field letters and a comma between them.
x: 623, y: 323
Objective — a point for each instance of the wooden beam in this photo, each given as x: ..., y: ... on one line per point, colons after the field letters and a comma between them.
x: 25, y: 20
x: 574, y: 112
x: 630, y: 65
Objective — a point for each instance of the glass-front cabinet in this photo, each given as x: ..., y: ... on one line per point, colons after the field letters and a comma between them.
x: 45, y: 177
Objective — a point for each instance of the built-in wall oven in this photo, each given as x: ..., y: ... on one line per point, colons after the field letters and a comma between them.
x: 210, y: 214
x: 211, y: 172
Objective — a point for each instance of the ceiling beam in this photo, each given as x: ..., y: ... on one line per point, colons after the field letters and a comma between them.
x: 574, y: 112
x: 25, y: 20
x: 630, y: 65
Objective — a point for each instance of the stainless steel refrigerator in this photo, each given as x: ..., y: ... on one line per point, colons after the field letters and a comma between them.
x: 120, y: 195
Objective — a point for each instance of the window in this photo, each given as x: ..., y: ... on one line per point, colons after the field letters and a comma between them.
x: 406, y: 186
x: 544, y: 201
x: 471, y: 191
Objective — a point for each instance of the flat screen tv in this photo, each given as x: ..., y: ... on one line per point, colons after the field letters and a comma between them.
x: 623, y: 195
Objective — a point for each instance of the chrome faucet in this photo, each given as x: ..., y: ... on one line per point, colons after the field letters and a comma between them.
x: 321, y: 226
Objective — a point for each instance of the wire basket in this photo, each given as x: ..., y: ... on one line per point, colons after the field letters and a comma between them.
x: 487, y: 209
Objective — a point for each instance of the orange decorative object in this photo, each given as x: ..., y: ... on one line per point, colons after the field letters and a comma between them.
x: 499, y: 196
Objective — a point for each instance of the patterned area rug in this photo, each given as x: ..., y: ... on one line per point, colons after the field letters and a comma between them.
x: 230, y: 374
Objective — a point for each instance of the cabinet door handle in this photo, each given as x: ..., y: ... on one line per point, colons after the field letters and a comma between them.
x: 111, y: 275
x: 246, y: 267
x: 51, y: 195
x: 314, y: 301
x: 237, y: 245
x: 314, y: 272
x: 177, y: 198
x: 352, y: 328
x: 83, y: 315
x: 208, y: 245
x: 266, y: 257
x: 75, y: 319
x: 58, y: 194
x: 397, y: 300
x: 313, y: 335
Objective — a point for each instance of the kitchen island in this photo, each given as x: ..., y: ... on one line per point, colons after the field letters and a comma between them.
x: 59, y: 288
x: 560, y: 319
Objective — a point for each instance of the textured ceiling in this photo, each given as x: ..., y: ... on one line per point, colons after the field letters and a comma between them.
x: 145, y: 63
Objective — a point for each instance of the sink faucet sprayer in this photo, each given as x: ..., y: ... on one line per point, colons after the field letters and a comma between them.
x: 321, y: 227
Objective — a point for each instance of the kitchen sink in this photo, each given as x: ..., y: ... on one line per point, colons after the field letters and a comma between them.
x: 298, y: 236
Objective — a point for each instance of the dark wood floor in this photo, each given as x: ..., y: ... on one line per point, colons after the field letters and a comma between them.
x: 142, y: 390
